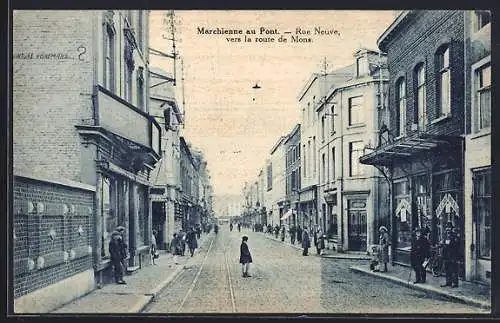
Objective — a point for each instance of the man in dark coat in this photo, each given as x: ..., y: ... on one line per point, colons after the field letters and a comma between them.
x: 117, y: 255
x: 420, y: 252
x: 191, y: 241
x: 299, y: 234
x: 451, y: 249
x: 245, y: 257
x: 306, y: 242
x: 293, y: 231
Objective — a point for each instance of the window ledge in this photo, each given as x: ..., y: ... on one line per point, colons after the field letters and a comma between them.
x: 441, y: 118
x: 358, y: 125
x: 481, y: 133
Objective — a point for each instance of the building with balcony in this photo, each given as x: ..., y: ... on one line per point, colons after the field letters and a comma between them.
x: 292, y: 178
x: 420, y: 150
x: 477, y: 173
x: 165, y: 194
x: 83, y: 150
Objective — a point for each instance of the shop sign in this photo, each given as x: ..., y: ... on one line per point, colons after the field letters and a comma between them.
x: 402, y: 209
x: 447, y: 204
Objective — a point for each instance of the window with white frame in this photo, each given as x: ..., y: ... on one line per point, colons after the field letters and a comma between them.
x: 355, y: 152
x: 140, y: 88
x: 305, y: 160
x: 333, y: 163
x: 323, y: 168
x: 309, y: 155
x: 314, y: 155
x: 323, y: 128
x: 420, y: 102
x: 444, y: 82
x: 333, y: 119
x: 401, y: 106
x: 109, y: 58
x: 355, y: 110
x: 482, y: 105
x: 482, y: 211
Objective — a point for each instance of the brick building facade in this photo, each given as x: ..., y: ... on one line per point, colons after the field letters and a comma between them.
x: 420, y: 150
x: 80, y: 116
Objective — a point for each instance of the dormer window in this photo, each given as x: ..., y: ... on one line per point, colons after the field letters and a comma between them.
x: 361, y: 66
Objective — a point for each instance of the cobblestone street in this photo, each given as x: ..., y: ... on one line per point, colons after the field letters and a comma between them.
x: 283, y: 281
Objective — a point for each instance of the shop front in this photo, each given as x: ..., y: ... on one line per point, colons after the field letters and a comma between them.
x: 426, y: 189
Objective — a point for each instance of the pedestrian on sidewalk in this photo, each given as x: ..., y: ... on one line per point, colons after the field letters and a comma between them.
x: 419, y: 255
x: 293, y: 231
x: 451, y: 249
x: 182, y: 237
x: 283, y: 233
x: 124, y: 246
x: 245, y: 257
x: 175, y: 248
x: 198, y: 231
x: 154, y: 248
x: 239, y: 227
x: 117, y: 255
x: 318, y: 240
x: 276, y: 231
x: 191, y: 241
x: 383, y: 246
x: 231, y: 227
x: 299, y: 234
x: 306, y: 242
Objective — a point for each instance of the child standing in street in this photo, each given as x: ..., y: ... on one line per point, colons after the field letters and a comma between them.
x: 245, y: 257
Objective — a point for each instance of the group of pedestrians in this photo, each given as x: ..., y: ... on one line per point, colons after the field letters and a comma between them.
x: 185, y: 240
x: 420, y: 254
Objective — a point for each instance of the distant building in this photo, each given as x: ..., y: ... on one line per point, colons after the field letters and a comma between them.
x: 165, y: 194
x: 292, y: 177
x: 278, y: 194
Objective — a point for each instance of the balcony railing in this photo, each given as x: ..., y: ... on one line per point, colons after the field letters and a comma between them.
x: 118, y: 116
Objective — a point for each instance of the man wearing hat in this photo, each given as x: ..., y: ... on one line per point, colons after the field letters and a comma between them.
x: 420, y: 252
x: 117, y: 255
x: 450, y: 247
x: 383, y: 246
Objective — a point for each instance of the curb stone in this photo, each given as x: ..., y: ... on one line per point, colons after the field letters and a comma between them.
x: 425, y: 288
x: 352, y: 257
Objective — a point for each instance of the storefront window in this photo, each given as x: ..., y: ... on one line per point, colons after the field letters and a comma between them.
x: 402, y: 213
x: 482, y: 203
x: 446, y: 199
x: 422, y: 200
x: 108, y: 213
x: 141, y: 233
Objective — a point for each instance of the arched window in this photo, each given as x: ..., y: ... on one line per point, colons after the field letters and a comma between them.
x: 401, y: 106
x: 420, y: 113
x: 443, y: 82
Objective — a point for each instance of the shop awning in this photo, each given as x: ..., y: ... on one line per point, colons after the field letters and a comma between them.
x: 404, y: 148
x: 287, y: 214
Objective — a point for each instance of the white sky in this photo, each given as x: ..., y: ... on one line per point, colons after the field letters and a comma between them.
x: 221, y: 115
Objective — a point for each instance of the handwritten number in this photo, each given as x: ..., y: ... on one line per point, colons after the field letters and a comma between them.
x: 82, y: 50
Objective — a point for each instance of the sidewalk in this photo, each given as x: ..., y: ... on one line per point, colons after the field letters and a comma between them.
x: 141, y: 288
x: 327, y: 253
x: 467, y: 292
